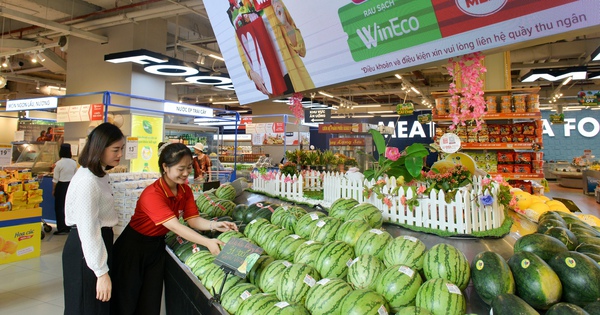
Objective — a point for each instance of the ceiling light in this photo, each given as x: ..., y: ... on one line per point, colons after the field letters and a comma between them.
x: 546, y: 108
x: 5, y: 63
x: 576, y: 73
x: 567, y: 80
x: 338, y: 117
x: 596, y: 108
x: 2, y: 81
x: 395, y: 115
x: 34, y: 58
x: 37, y: 87
x: 210, y: 99
x: 398, y: 76
x: 415, y: 90
x: 201, y: 59
x: 362, y: 116
x: 572, y: 109
x: 40, y: 58
x: 381, y: 112
x: 367, y: 106
x: 224, y: 102
x: 216, y: 57
x: 243, y: 111
x: 325, y: 94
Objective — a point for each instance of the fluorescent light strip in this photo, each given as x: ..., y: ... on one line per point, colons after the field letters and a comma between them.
x: 366, y: 106
x: 225, y: 102
x: 325, y: 94
x: 546, y: 108
x: 567, y: 80
x: 362, y: 116
x: 381, y: 112
x: 415, y: 90
x: 572, y: 109
x: 398, y: 76
x: 596, y: 108
x: 395, y: 115
x: 216, y: 57
x: 338, y: 117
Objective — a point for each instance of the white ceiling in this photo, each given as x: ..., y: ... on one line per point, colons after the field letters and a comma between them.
x: 39, y: 24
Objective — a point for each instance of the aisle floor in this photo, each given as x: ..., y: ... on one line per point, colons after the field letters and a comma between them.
x: 34, y: 286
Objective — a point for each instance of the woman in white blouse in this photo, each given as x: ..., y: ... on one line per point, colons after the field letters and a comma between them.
x: 89, y: 211
x: 63, y: 172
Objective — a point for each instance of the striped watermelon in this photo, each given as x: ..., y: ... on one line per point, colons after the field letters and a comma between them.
x: 287, y: 247
x: 295, y: 283
x: 447, y: 262
x: 364, y: 271
x: 286, y: 217
x: 226, y: 192
x: 273, y: 240
x: 198, y: 257
x: 262, y: 235
x: 367, y: 212
x: 286, y: 308
x: 441, y: 297
x: 259, y: 266
x: 334, y: 259
x: 364, y: 301
x: 253, y: 226
x: 350, y: 231
x: 279, y: 214
x: 306, y: 223
x: 399, y: 286
x: 233, y: 298
x: 373, y: 243
x: 258, y: 304
x: 325, y: 229
x: 204, y: 199
x: 413, y: 310
x: 326, y: 296
x: 307, y: 253
x: 213, y: 280
x: 405, y: 250
x: 271, y: 276
x: 226, y: 236
x: 220, y: 208
x: 491, y: 276
x: 204, y: 267
x: 339, y: 208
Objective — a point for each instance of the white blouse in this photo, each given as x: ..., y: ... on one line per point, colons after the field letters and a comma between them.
x: 90, y: 205
x: 64, y: 170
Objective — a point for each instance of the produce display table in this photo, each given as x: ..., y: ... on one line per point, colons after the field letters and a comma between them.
x: 568, y: 179
x: 184, y: 294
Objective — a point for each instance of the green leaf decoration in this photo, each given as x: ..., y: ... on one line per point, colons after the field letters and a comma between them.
x: 414, y: 165
x: 379, y: 141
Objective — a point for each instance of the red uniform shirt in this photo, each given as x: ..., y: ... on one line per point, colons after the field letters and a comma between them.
x: 157, y: 205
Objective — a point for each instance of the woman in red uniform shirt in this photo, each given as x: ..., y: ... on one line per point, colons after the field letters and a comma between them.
x: 139, y: 252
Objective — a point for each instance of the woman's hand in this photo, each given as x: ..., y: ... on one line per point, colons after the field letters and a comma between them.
x: 224, y: 226
x: 214, y: 245
x: 103, y: 288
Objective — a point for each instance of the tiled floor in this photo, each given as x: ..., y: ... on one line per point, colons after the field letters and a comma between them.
x: 34, y: 286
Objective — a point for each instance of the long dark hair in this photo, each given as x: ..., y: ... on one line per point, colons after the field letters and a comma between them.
x: 172, y: 154
x: 99, y: 139
x: 65, y: 151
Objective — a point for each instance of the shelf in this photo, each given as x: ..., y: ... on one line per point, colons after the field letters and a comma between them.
x: 507, y: 91
x: 496, y: 116
x: 519, y: 175
x: 497, y: 146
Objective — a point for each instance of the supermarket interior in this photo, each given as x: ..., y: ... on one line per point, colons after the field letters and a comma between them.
x: 377, y: 157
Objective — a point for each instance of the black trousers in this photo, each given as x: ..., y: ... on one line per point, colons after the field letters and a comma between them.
x: 79, y: 281
x: 60, y: 192
x: 138, y: 273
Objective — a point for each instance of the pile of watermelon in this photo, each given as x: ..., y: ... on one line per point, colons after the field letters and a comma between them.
x: 342, y: 262
x: 555, y: 270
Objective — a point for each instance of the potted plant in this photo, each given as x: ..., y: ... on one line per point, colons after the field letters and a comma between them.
x: 310, y: 158
x: 289, y: 168
x: 327, y: 159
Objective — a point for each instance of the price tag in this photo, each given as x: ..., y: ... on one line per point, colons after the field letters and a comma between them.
x: 245, y: 295
x: 452, y: 288
x: 382, y: 310
x: 353, y: 262
x: 321, y: 223
x: 131, y: 148
x: 410, y: 238
x: 282, y: 304
x: 287, y: 264
x: 5, y: 154
x: 376, y: 231
x: 314, y: 216
x: 349, y: 262
x: 294, y: 236
x: 407, y: 271
x: 252, y: 222
x: 309, y: 280
x: 324, y: 281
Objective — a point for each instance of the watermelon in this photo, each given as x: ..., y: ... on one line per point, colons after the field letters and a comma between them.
x: 253, y: 226
x: 259, y: 266
x: 286, y: 217
x: 326, y: 296
x: 239, y: 211
x: 186, y: 250
x: 544, y: 246
x: 226, y: 192
x: 307, y: 253
x: 325, y: 229
x: 373, y: 243
x: 362, y: 302
x: 364, y: 271
x: 307, y: 222
x: 491, y: 276
x: 273, y: 240
x: 588, y: 249
x: 588, y: 239
x: 262, y: 235
x: 441, y: 297
x: 579, y: 231
x: 334, y: 259
x: 413, y: 310
x: 564, y: 235
x: 340, y: 208
x: 197, y: 257
x: 579, y: 276
x: 233, y: 298
x: 545, y: 225
x: 405, y: 250
x: 279, y: 214
x: 204, y: 199
x: 536, y: 282
x: 593, y: 308
x: 285, y: 308
x: 271, y: 276
x: 295, y: 283
x: 226, y: 236
x: 259, y: 210
x: 258, y: 304
x: 510, y: 304
x: 213, y: 281
x: 566, y: 309
x: 203, y: 267
x: 350, y: 231
x: 288, y: 246
x: 551, y: 215
x: 399, y: 286
x: 368, y: 212
x: 447, y: 262
x: 220, y: 208
x: 594, y: 257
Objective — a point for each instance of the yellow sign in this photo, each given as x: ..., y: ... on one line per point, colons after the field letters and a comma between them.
x: 19, y: 242
x: 149, y: 131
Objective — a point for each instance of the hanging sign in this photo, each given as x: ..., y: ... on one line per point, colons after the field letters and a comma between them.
x: 5, y: 154
x: 347, y: 142
x: 188, y: 110
x: 131, y: 148
x: 450, y: 143
x: 33, y: 103
x: 424, y: 119
x: 75, y: 113
x: 405, y: 109
x: 588, y: 98
x: 335, y: 128
x: 317, y: 115
x: 557, y: 118
x: 238, y: 256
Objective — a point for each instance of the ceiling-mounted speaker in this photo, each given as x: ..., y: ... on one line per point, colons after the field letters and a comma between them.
x: 63, y: 43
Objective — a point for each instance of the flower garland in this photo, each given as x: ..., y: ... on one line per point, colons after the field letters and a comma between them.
x: 467, y: 104
x: 296, y: 106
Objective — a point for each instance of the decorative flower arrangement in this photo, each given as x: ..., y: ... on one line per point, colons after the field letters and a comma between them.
x: 448, y: 181
x: 289, y: 168
x: 504, y: 196
x: 296, y: 106
x: 467, y: 103
x: 263, y: 173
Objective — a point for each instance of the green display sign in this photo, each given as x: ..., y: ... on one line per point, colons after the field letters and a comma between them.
x: 238, y: 256
x: 588, y: 98
x: 379, y: 27
x: 405, y: 109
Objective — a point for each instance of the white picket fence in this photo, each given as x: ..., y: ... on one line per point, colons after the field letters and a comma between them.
x: 464, y: 215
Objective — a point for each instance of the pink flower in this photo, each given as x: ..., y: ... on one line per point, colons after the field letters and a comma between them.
x: 403, y: 200
x: 486, y: 181
x: 253, y: 176
x: 421, y: 189
x: 387, y: 202
x: 392, y: 153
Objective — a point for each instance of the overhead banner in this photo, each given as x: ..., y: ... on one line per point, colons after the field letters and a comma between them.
x: 277, y: 47
x: 88, y: 112
x: 317, y: 115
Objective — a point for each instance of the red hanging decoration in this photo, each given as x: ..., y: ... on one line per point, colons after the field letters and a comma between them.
x: 296, y: 106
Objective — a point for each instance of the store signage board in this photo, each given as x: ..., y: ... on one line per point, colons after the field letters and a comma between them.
x: 238, y: 256
x: 131, y: 148
x: 32, y: 103
x: 321, y: 115
x: 75, y: 113
x: 62, y: 114
x: 450, y: 143
x: 347, y: 142
x: 346, y: 40
x: 188, y: 110
x: 5, y: 154
x: 335, y: 128
x: 86, y: 112
x: 20, y: 135
x: 588, y: 98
